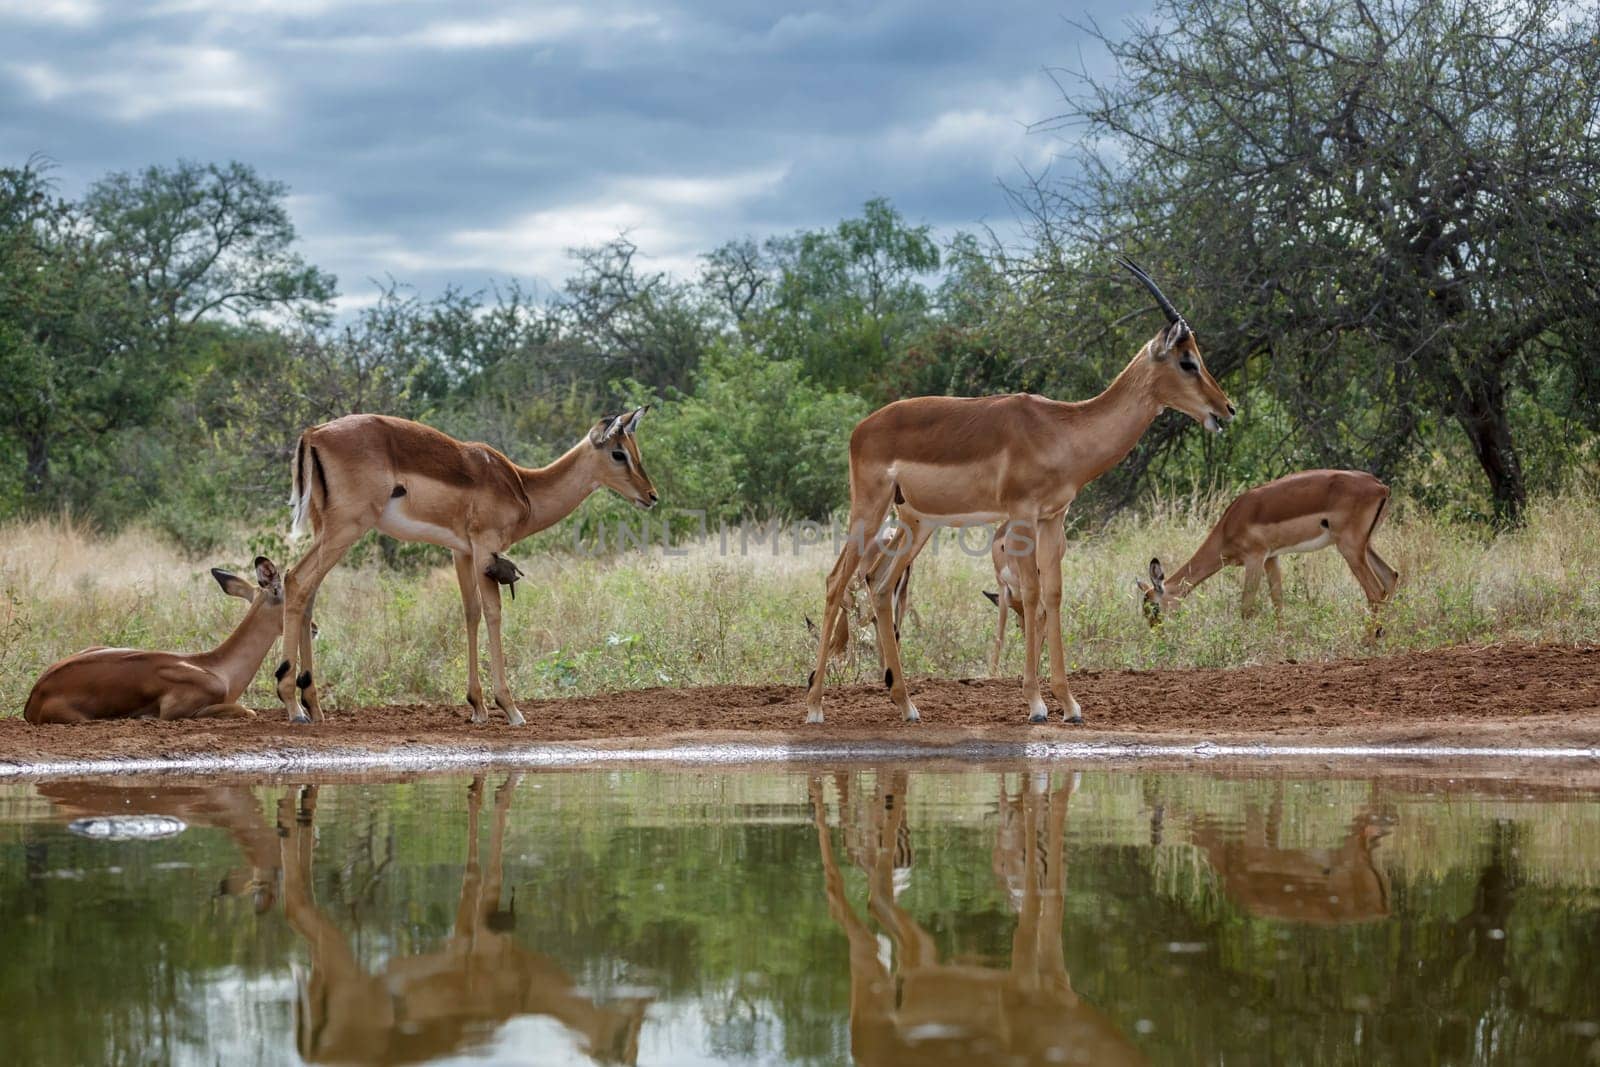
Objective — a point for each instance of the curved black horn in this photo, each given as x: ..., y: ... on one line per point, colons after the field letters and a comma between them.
x: 1155, y: 291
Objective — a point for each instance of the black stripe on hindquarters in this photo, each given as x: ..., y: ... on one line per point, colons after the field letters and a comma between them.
x: 320, y: 474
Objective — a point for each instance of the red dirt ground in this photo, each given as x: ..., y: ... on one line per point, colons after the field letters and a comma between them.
x: 1511, y: 695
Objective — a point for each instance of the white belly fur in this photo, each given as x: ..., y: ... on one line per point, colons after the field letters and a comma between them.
x: 1322, y: 541
x: 396, y: 523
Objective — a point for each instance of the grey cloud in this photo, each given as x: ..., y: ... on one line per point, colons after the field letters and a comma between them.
x: 439, y: 147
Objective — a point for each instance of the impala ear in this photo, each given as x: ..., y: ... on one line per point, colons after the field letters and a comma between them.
x: 1157, y: 575
x: 266, y: 572
x: 605, y: 429
x: 232, y: 584
x: 1171, y: 336
x: 633, y: 420
x: 1142, y: 585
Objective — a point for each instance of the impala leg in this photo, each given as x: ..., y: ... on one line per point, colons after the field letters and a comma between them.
x: 191, y: 705
x: 864, y: 523
x: 224, y: 711
x: 1026, y: 568
x: 1386, y: 574
x: 468, y: 906
x: 1367, y: 578
x: 1052, y: 546
x: 1002, y: 599
x: 308, y: 652
x: 883, y: 604
x: 489, y: 600
x: 1275, y: 585
x: 472, y: 611
x: 1254, y: 568
x: 299, y: 591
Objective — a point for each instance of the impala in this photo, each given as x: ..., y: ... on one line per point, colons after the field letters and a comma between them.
x: 1007, y: 597
x: 233, y: 808
x: 121, y: 683
x: 1302, y: 512
x: 428, y: 1006
x: 366, y: 472
x: 890, y: 540
x: 1019, y: 460
x: 909, y: 1007
x: 1327, y: 886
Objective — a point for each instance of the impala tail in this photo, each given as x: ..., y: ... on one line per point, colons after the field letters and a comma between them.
x: 299, y: 494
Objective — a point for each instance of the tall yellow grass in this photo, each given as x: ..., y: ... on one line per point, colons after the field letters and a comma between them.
x: 708, y: 616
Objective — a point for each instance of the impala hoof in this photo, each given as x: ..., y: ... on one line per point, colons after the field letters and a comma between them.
x: 300, y: 719
x: 1073, y: 720
x: 1038, y: 716
x: 912, y: 714
x: 1072, y: 712
x: 813, y: 715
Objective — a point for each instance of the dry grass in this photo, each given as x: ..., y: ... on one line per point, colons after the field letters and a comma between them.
x: 712, y: 615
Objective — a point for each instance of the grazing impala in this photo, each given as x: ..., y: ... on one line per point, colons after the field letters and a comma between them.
x: 908, y: 1007
x: 1019, y: 460
x: 1302, y: 512
x: 123, y: 683
x: 373, y: 472
x: 1326, y: 886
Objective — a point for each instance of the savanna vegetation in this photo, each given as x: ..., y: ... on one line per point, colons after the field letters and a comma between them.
x: 1379, y: 218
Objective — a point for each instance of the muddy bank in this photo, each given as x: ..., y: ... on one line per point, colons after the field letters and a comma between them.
x: 1491, y: 698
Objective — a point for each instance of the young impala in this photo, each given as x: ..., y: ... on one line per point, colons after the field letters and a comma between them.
x: 1007, y: 597
x: 410, y: 481
x: 122, y: 683
x: 1302, y: 512
x: 1018, y: 460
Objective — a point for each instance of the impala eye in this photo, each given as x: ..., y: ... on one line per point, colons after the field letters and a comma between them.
x: 620, y: 456
x: 1190, y: 366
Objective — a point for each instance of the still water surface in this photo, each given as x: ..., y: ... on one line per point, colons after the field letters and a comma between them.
x: 1006, y: 915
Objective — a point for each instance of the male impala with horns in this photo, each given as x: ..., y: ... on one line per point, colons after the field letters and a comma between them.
x: 1018, y: 460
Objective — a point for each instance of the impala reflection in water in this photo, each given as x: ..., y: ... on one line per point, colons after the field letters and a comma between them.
x: 429, y: 1005
x: 1022, y: 914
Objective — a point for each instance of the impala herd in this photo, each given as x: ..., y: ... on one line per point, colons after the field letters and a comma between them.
x: 917, y: 465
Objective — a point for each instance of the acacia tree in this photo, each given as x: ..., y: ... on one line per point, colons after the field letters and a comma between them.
x: 1386, y: 208
x: 203, y: 240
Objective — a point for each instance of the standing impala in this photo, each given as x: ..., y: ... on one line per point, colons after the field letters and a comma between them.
x: 1018, y: 460
x: 1007, y: 597
x: 410, y: 481
x: 125, y: 683
x: 1302, y: 512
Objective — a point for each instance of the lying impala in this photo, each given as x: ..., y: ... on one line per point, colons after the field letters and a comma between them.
x: 233, y: 808
x: 366, y: 472
x: 120, y: 683
x: 1018, y: 460
x: 1303, y: 512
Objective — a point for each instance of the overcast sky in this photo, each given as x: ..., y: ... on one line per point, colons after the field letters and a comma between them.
x: 440, y: 142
